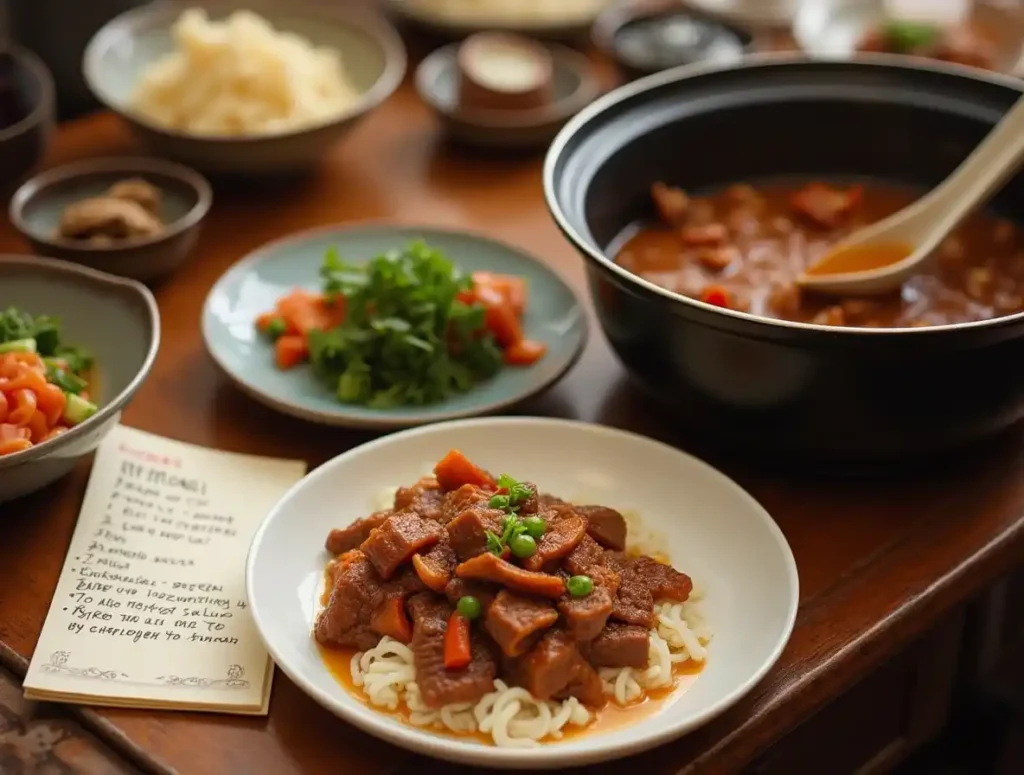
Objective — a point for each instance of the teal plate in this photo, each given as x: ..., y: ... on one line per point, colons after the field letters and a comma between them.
x: 252, y: 286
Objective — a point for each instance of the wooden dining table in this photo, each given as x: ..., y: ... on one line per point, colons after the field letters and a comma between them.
x: 891, y: 568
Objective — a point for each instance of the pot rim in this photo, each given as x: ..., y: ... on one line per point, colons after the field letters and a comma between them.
x: 585, y: 245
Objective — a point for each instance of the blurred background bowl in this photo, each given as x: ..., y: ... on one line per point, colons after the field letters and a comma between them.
x: 36, y: 209
x: 832, y: 29
x: 371, y: 51
x: 27, y: 109
x: 115, y: 319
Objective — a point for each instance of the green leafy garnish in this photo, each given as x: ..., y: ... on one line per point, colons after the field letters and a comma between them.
x: 513, y: 528
x: 16, y: 325
x: 407, y: 339
x: 518, y: 492
x: 905, y: 36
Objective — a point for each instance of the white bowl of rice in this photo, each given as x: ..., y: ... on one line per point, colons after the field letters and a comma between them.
x: 243, y: 87
x: 731, y: 630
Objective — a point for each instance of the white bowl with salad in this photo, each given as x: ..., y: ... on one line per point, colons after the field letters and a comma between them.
x: 75, y: 345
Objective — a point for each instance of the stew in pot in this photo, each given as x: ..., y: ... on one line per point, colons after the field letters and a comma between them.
x: 744, y: 247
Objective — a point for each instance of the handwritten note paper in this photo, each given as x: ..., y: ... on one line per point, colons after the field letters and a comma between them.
x: 150, y: 609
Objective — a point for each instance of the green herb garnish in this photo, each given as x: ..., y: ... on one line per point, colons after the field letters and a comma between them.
x: 512, y: 494
x: 905, y: 36
x: 407, y: 338
x: 17, y: 325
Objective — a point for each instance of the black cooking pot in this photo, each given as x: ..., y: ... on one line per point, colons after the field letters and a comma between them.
x: 801, y: 392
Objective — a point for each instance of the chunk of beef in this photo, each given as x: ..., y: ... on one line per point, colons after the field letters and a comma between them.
x: 824, y: 206
x: 423, y: 498
x: 357, y: 592
x: 515, y: 622
x: 436, y: 567
x: 585, y: 685
x: 620, y: 645
x: 707, y: 235
x: 587, y: 554
x: 438, y: 685
x: 585, y: 617
x: 664, y: 581
x: 634, y: 602
x: 348, y: 538
x: 532, y: 504
x: 558, y: 540
x: 458, y: 588
x: 457, y: 501
x: 544, y: 500
x: 487, y: 567
x: 468, y: 531
x: 671, y: 203
x: 606, y: 526
x: 398, y: 539
x: 547, y: 668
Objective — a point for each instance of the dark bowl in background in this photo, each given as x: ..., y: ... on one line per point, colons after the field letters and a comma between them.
x: 27, y: 114
x: 814, y: 395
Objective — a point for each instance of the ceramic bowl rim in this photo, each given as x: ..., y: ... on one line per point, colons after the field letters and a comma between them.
x: 43, y: 109
x: 384, y: 422
x: 152, y: 15
x: 37, y: 186
x: 753, y: 62
x: 453, y: 26
x: 115, y: 405
x: 374, y: 721
x: 586, y: 91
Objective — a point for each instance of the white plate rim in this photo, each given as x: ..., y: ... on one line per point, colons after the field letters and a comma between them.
x: 446, y: 748
x: 340, y: 418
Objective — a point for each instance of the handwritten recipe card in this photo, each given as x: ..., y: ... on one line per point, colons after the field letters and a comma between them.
x: 150, y: 609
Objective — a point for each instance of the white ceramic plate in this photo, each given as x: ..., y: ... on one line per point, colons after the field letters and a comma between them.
x: 712, y: 529
x: 459, y: 18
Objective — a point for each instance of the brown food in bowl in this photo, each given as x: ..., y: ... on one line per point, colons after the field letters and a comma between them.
x: 130, y: 208
x: 744, y: 247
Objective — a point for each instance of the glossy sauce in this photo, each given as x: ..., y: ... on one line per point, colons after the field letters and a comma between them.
x: 338, y: 663
x: 976, y: 274
x: 860, y: 258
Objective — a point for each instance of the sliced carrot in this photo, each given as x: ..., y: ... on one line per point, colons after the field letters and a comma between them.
x: 391, y: 619
x: 457, y: 652
x: 290, y: 350
x: 525, y: 352
x: 429, y: 573
x: 455, y: 470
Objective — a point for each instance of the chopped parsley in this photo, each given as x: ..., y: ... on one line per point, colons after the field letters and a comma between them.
x: 510, y: 497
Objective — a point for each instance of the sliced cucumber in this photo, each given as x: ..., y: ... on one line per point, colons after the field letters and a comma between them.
x: 78, y: 410
x: 18, y: 346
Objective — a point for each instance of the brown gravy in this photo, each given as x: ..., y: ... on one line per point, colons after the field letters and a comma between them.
x: 744, y: 247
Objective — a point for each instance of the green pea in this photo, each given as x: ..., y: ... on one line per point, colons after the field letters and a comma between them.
x: 469, y: 607
x: 522, y: 546
x: 276, y: 328
x: 535, y: 526
x: 580, y: 586
x: 498, y: 502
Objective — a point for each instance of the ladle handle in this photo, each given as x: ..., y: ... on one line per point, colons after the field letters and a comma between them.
x: 996, y: 159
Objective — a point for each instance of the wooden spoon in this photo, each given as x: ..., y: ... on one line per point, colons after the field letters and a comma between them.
x: 878, y: 258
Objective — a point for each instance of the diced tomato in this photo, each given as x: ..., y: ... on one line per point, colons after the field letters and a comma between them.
x: 511, y: 288
x: 525, y: 352
x: 717, y: 295
x: 304, y: 311
x: 457, y: 652
x: 455, y: 470
x: 290, y: 350
x: 499, y: 316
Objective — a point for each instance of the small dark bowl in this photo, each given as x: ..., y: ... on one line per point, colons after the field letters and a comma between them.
x: 789, y: 391
x: 27, y: 106
x: 36, y: 209
x: 624, y: 33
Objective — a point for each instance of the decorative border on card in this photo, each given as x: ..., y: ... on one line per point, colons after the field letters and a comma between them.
x: 59, y: 664
x: 233, y: 681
